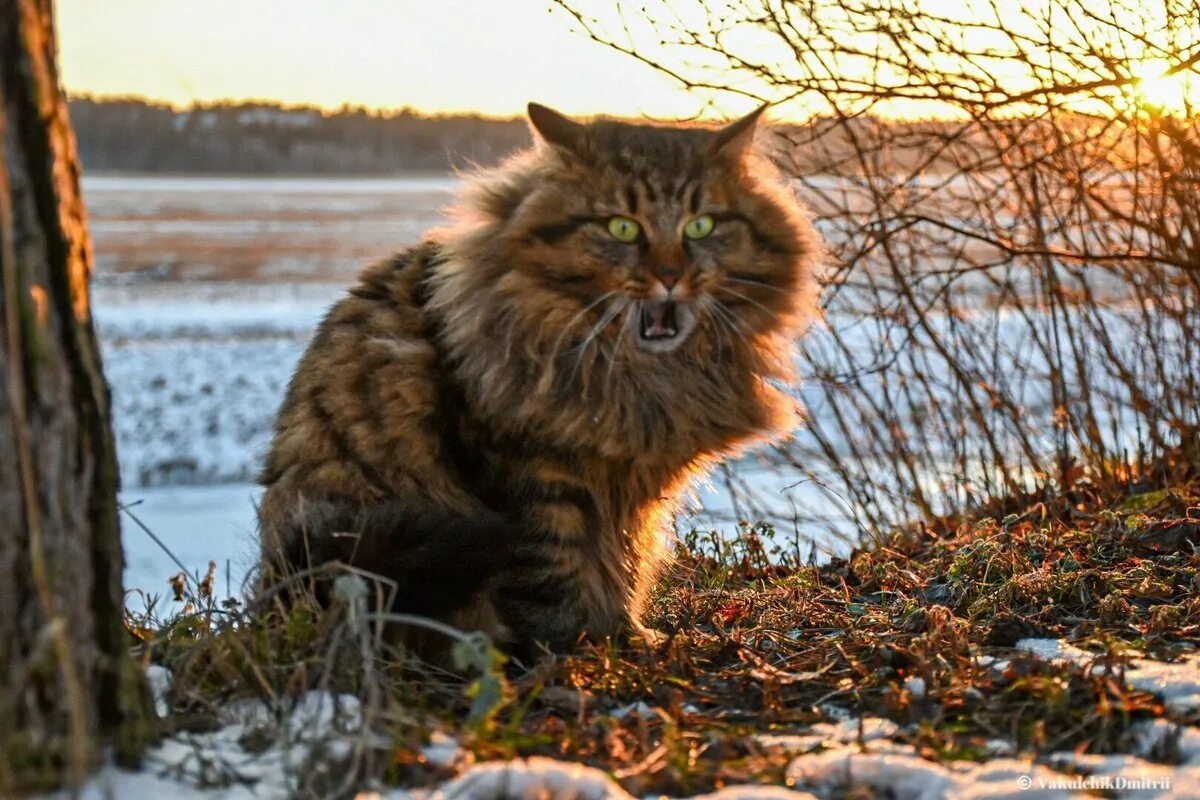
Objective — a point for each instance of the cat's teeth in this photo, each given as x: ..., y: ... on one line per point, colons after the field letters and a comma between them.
x: 658, y: 320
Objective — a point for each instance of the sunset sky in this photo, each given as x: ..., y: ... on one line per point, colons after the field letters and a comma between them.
x: 473, y: 55
x: 434, y: 55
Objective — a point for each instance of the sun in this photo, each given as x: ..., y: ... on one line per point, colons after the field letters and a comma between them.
x: 1159, y: 88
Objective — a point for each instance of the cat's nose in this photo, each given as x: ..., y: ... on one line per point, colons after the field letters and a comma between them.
x: 670, y: 276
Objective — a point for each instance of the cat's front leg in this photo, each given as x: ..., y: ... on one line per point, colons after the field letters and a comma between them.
x: 541, y: 604
x: 545, y: 597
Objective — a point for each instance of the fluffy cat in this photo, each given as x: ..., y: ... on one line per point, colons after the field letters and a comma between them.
x: 501, y: 420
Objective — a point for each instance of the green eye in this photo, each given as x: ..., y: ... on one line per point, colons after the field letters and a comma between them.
x: 624, y: 229
x: 698, y: 227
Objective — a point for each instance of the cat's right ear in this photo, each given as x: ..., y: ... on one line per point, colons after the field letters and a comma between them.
x: 558, y: 130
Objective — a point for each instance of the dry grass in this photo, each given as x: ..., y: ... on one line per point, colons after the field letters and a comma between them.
x: 750, y: 641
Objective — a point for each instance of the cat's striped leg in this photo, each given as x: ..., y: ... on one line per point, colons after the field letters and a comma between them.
x: 544, y: 598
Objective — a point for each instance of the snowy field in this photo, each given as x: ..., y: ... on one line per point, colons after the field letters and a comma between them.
x: 206, y: 293
x: 208, y: 289
x: 197, y: 372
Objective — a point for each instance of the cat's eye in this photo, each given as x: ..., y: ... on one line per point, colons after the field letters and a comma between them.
x: 624, y: 229
x: 698, y: 227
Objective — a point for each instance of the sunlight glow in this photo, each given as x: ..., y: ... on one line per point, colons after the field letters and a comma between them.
x: 1160, y: 89
x: 447, y: 56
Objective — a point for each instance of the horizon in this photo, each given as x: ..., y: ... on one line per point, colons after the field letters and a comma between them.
x: 453, y: 57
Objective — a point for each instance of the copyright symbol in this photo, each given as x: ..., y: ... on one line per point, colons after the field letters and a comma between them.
x: 1024, y: 782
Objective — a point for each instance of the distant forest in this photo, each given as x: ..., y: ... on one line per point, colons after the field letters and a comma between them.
x: 135, y: 135
x: 139, y: 136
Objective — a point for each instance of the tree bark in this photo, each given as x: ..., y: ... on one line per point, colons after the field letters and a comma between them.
x: 67, y: 684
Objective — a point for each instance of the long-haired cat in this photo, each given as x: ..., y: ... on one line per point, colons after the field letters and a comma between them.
x: 502, y: 419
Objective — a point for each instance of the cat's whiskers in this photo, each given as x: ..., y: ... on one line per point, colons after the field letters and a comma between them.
x: 750, y: 300
x: 706, y: 302
x: 616, y: 348
x: 570, y: 325
x: 608, y: 316
x: 730, y: 319
x: 757, y: 284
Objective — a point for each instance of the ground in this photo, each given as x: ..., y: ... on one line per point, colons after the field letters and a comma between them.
x: 1038, y: 642
x: 941, y: 660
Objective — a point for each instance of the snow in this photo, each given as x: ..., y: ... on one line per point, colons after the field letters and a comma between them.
x: 755, y: 793
x: 216, y: 767
x: 95, y: 185
x: 533, y: 778
x: 209, y: 311
x: 895, y: 771
x: 159, y: 679
x: 1177, y: 683
x: 851, y: 756
x: 847, y: 731
x: 197, y: 371
x: 442, y: 750
x: 198, y: 524
x: 1054, y: 650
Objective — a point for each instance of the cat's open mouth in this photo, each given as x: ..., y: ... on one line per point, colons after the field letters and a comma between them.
x: 662, y: 325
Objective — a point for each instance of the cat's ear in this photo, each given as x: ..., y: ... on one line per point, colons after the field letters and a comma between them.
x: 734, y: 140
x: 558, y: 130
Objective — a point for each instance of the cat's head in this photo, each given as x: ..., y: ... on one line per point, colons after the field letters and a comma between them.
x: 645, y: 238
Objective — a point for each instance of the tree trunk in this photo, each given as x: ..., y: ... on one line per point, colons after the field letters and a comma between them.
x: 66, y: 681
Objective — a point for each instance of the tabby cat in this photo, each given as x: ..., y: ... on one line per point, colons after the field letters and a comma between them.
x: 502, y: 419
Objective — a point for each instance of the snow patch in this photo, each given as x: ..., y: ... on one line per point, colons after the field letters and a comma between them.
x: 847, y: 731
x: 218, y: 765
x: 1178, y: 684
x: 533, y: 778
x: 755, y: 793
x: 900, y: 774
x: 442, y: 750
x: 1055, y: 650
x: 159, y: 679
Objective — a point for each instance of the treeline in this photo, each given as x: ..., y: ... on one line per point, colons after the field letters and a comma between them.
x: 135, y: 135
x: 131, y: 134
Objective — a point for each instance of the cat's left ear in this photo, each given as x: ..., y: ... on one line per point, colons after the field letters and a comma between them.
x: 734, y: 140
x: 557, y: 129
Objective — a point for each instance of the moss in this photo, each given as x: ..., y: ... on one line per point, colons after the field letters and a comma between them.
x: 1145, y: 501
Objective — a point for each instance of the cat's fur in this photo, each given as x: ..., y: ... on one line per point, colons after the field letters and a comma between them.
x: 484, y: 419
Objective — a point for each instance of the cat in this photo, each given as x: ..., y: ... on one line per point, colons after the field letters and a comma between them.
x: 502, y: 420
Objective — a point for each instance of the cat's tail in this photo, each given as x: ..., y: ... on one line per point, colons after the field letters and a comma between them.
x: 438, y: 561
